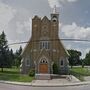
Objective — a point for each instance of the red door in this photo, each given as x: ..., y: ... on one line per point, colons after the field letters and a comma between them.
x: 43, y: 68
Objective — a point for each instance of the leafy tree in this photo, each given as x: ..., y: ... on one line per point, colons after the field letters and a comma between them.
x: 87, y: 59
x: 83, y: 63
x: 3, y: 52
x: 74, y: 58
x: 18, y: 57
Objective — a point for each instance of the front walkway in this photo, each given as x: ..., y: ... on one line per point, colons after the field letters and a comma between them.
x: 58, y: 81
x: 87, y: 78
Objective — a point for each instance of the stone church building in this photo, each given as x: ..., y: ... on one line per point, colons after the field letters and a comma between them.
x: 44, y: 48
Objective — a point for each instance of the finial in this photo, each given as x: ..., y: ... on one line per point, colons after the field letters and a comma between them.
x: 55, y: 9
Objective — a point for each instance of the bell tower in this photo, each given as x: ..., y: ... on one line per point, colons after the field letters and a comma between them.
x: 54, y: 23
x: 55, y: 15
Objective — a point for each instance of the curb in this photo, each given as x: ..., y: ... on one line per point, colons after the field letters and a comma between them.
x: 16, y: 83
x: 61, y: 85
x: 44, y: 85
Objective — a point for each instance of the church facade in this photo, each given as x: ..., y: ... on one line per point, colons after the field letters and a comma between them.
x: 45, y: 49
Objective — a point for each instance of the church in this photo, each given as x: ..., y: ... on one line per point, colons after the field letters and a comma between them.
x: 45, y: 49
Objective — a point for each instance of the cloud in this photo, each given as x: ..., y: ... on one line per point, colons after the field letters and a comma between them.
x: 21, y: 27
x: 6, y: 15
x: 76, y: 32
x: 16, y: 23
x: 59, y: 3
x: 71, y: 0
x: 87, y: 50
x: 52, y: 3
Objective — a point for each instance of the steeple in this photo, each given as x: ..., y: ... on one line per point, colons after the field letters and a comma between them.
x: 55, y: 14
x: 55, y: 10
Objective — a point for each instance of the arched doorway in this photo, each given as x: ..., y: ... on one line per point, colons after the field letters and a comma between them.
x: 43, y: 66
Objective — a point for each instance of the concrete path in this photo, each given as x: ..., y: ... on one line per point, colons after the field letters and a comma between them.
x: 87, y: 78
x: 69, y: 80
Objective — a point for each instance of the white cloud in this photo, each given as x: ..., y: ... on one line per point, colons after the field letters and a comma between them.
x: 75, y: 31
x: 52, y: 3
x: 6, y: 15
x: 87, y: 50
x: 15, y: 22
x: 68, y: 46
x: 59, y: 3
x: 21, y: 27
x: 71, y: 0
x: 28, y: 24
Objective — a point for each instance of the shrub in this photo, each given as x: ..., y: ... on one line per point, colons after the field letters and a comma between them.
x: 55, y: 68
x: 32, y: 72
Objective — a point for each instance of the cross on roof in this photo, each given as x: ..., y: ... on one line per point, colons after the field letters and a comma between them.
x: 55, y: 9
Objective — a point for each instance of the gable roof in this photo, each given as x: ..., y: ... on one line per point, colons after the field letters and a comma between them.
x: 45, y: 19
x: 25, y: 48
x: 64, y: 47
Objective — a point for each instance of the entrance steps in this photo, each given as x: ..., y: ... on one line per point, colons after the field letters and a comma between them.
x: 43, y: 76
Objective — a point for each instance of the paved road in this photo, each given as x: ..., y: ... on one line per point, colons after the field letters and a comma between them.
x: 17, y: 87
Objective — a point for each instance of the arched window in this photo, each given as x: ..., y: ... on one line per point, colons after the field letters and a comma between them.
x: 61, y: 62
x: 44, y: 45
x: 43, y: 61
x: 27, y: 62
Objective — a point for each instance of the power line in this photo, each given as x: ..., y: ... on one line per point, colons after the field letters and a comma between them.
x: 79, y: 40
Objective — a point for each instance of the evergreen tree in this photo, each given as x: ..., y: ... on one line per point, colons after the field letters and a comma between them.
x: 11, y: 58
x: 3, y: 51
x: 18, y: 57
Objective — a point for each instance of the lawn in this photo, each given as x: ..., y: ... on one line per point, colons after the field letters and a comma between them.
x: 80, y: 72
x: 13, y: 74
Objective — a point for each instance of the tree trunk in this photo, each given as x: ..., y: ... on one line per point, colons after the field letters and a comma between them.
x: 2, y: 69
x: 71, y: 66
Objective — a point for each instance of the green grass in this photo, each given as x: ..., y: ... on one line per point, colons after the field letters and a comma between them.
x: 80, y: 72
x: 13, y: 74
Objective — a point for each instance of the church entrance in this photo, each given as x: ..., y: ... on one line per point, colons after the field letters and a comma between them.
x: 43, y: 66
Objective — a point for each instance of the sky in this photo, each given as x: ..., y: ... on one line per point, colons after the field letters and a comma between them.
x: 74, y: 16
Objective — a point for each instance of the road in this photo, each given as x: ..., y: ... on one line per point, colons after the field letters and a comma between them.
x: 17, y: 87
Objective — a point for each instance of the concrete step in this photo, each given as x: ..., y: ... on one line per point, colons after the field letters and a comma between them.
x: 43, y: 76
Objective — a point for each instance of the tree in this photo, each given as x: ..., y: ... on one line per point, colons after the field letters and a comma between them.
x: 55, y: 68
x: 18, y: 57
x: 11, y: 57
x: 3, y: 51
x: 74, y: 58
x: 87, y: 59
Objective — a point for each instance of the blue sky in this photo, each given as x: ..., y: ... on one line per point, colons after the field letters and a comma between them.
x: 16, y: 15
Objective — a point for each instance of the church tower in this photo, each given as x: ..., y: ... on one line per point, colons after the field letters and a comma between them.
x: 54, y: 23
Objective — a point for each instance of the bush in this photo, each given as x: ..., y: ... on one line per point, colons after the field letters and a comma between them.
x: 32, y: 72
x: 55, y: 68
